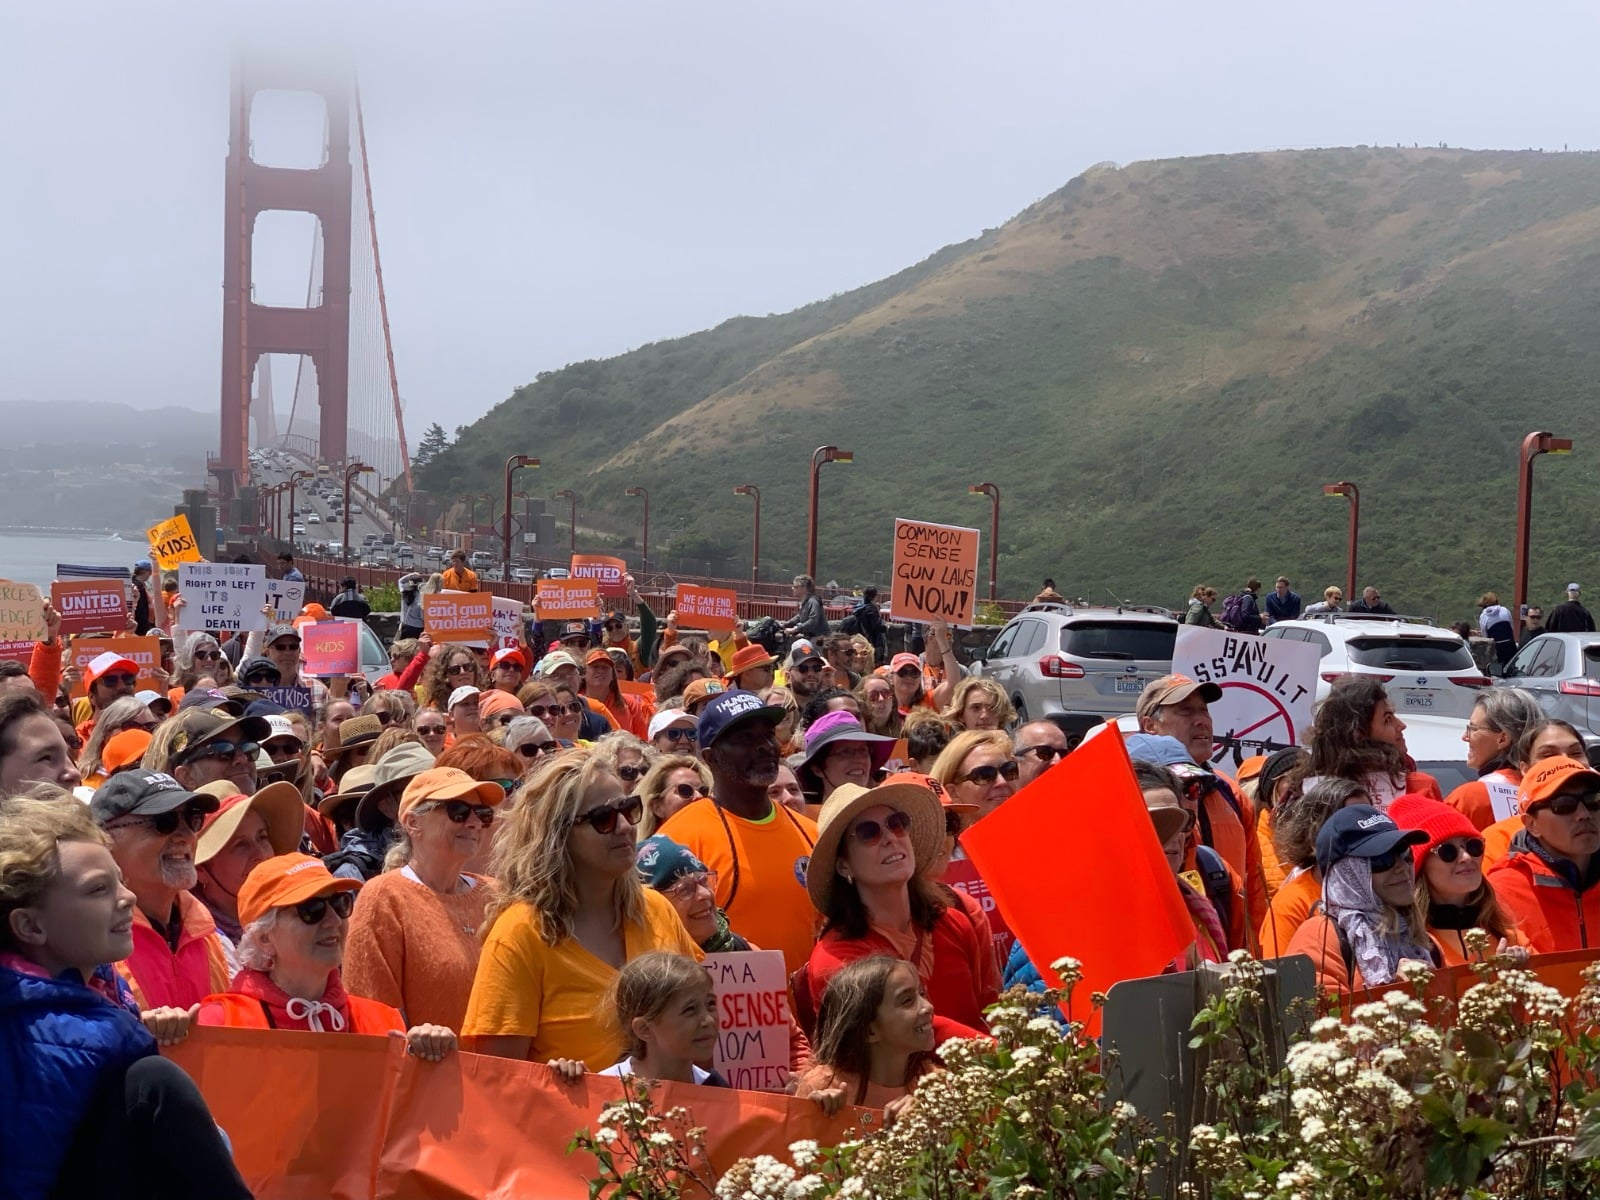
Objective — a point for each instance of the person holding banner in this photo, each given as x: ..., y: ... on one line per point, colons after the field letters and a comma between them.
x: 142, y: 622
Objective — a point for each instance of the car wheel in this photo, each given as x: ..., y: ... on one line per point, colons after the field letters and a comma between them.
x: 1018, y: 703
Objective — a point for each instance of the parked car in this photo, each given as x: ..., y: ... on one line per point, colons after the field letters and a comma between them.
x: 1425, y: 669
x: 1079, y: 664
x: 521, y: 574
x: 1562, y: 671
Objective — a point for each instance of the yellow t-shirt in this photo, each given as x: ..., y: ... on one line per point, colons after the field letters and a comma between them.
x: 552, y: 994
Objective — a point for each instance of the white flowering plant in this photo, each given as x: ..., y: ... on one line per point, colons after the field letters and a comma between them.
x: 645, y: 1154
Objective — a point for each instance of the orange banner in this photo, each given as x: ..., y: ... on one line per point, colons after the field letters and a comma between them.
x: 356, y: 1118
x: 607, y: 572
x: 90, y: 605
x: 935, y: 572
x: 146, y: 651
x: 715, y: 610
x: 566, y: 599
x: 458, y: 616
x: 1563, y: 971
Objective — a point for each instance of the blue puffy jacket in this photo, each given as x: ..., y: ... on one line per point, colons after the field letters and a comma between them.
x: 58, y: 1041
x: 1020, y: 972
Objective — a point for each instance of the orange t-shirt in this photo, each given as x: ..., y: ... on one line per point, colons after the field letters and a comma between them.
x: 1497, y: 840
x: 761, y: 873
x: 817, y: 1078
x: 1290, y: 908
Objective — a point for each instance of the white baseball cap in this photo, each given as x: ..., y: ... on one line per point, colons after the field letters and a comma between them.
x: 1572, y: 587
x: 668, y: 717
x: 461, y: 694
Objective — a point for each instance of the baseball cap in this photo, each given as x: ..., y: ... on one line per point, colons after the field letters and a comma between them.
x: 1572, y: 587
x: 123, y: 749
x: 1361, y: 831
x: 801, y: 651
x: 702, y: 688
x: 144, y: 564
x: 149, y: 697
x: 102, y: 665
x: 571, y: 629
x: 510, y: 654
x: 666, y: 718
x: 460, y: 695
x: 199, y: 725
x: 449, y: 783
x: 734, y: 707
x: 285, y: 880
x: 261, y: 666
x: 282, y: 727
x: 1157, y: 748
x: 661, y: 862
x: 1548, y: 776
x: 281, y: 631
x: 210, y: 700
x: 555, y: 660
x: 904, y: 660
x: 144, y: 794
x: 1174, y: 689
x: 598, y: 655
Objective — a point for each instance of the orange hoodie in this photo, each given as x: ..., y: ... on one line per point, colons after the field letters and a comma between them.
x: 1554, y: 908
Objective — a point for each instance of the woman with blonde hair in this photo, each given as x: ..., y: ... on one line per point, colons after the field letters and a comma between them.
x: 569, y: 913
x: 879, y: 713
x: 123, y: 713
x: 979, y: 704
x: 393, y: 708
x: 977, y: 768
x: 1200, y: 602
x: 631, y: 757
x: 563, y: 716
x: 674, y: 782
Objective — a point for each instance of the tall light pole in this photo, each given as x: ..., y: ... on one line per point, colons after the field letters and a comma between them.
x: 295, y: 477
x: 1533, y: 445
x: 1353, y: 493
x: 644, y: 552
x: 989, y: 490
x: 350, y: 472
x: 572, y: 524
x: 750, y: 489
x: 512, y: 463
x: 822, y: 454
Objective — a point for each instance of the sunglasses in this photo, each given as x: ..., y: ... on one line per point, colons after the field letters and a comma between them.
x: 262, y: 678
x: 873, y: 697
x: 869, y: 833
x: 459, y: 812
x: 120, y: 679
x: 505, y: 718
x: 166, y: 823
x: 553, y: 710
x: 613, y: 627
x: 537, y: 749
x: 908, y: 673
x: 461, y: 668
x: 1044, y: 754
x: 604, y: 819
x: 1386, y: 862
x: 207, y: 655
x: 576, y: 642
x: 989, y: 772
x: 221, y: 750
x: 808, y: 668
x: 312, y: 911
x: 686, y: 886
x: 689, y: 791
x: 384, y: 717
x: 1567, y: 803
x: 1450, y: 851
x: 680, y: 734
x: 431, y: 730
x: 631, y: 774
x: 285, y: 647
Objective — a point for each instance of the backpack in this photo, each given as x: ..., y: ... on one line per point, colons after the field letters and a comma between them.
x: 851, y: 624
x: 1217, y: 883
x: 1234, y: 614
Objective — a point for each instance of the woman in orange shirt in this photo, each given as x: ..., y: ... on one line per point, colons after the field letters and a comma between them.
x: 1295, y: 836
x: 1499, y: 719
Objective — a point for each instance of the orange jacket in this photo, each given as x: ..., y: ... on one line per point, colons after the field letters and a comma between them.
x: 1475, y: 802
x: 1318, y: 940
x: 1497, y: 841
x: 1273, y: 872
x: 1233, y: 837
x: 464, y: 579
x: 236, y: 1011
x: 1291, y: 908
x: 44, y: 668
x: 1553, y: 912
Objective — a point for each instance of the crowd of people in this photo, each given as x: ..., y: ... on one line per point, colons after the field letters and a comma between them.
x: 500, y: 849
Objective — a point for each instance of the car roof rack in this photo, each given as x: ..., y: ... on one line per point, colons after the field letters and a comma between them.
x: 1067, y: 606
x: 1330, y: 617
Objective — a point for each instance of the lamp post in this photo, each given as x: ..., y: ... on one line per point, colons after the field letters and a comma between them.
x: 295, y: 477
x: 350, y: 472
x: 822, y: 454
x: 644, y: 550
x: 1533, y: 445
x: 751, y: 490
x: 989, y: 490
x: 512, y: 463
x: 1353, y: 493
x: 572, y: 524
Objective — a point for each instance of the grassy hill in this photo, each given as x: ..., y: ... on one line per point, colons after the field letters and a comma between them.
x: 1159, y: 365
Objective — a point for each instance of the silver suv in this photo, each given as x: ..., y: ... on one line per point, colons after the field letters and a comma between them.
x: 1078, y: 665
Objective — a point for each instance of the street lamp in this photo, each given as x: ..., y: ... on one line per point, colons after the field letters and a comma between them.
x: 350, y: 472
x: 569, y: 494
x: 1533, y: 445
x: 750, y: 489
x: 989, y: 490
x: 822, y: 454
x: 1350, y: 490
x: 295, y: 477
x: 512, y: 463
x: 644, y: 552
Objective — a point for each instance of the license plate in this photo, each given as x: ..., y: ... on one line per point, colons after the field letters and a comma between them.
x: 1419, y: 700
x: 1130, y: 686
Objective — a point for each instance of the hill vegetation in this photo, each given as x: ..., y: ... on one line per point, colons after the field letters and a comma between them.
x: 1159, y: 365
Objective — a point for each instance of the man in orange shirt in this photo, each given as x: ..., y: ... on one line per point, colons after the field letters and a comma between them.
x: 459, y: 577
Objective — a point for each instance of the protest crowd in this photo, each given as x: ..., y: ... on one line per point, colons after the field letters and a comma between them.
x: 527, y: 847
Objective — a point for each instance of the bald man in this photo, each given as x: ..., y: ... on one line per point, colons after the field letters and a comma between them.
x: 1040, y: 745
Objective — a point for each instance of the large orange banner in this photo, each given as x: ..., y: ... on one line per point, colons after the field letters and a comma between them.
x: 356, y: 1118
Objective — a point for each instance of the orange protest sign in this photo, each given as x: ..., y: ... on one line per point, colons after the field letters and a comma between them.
x: 458, y: 616
x: 713, y: 609
x: 90, y: 605
x: 172, y: 542
x: 935, y: 572
x: 567, y: 599
x: 1104, y: 893
x: 146, y: 651
x: 607, y: 572
x: 631, y: 688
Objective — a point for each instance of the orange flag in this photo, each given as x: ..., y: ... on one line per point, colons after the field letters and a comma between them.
x: 1074, y: 863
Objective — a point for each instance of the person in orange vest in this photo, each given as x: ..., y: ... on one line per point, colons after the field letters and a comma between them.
x: 295, y: 916
x: 1548, y: 880
x: 1499, y: 719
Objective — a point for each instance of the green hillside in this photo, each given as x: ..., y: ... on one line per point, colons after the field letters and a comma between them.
x: 1159, y: 365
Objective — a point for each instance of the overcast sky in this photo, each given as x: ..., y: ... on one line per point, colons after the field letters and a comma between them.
x: 565, y: 181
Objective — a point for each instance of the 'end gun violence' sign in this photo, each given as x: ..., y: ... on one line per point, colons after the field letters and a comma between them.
x: 935, y: 572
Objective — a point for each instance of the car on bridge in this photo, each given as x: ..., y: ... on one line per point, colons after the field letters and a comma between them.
x: 299, y: 529
x: 313, y: 519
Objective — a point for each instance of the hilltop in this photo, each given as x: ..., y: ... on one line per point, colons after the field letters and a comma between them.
x: 1159, y: 365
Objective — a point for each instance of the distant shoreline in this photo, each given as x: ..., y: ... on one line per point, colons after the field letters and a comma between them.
x: 61, y: 531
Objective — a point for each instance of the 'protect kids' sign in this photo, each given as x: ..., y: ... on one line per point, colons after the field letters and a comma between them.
x: 935, y: 572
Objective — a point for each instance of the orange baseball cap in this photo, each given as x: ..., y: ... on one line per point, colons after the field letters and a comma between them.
x: 286, y: 880
x: 1548, y: 776
x: 495, y: 701
x: 124, y: 749
x: 510, y: 654
x: 598, y: 655
x: 1251, y: 767
x: 102, y: 665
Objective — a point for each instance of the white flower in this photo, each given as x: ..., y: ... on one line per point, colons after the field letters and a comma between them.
x: 605, y: 1135
x: 803, y: 1153
x: 660, y: 1138
x: 1311, y: 1128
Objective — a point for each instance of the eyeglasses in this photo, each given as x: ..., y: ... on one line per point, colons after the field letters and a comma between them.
x: 630, y: 774
x: 805, y: 668
x: 870, y: 833
x: 221, y: 750
x: 987, y: 773
x: 1567, y: 803
x: 604, y: 819
x: 460, y: 668
x: 459, y: 811
x: 165, y: 824
x: 431, y: 730
x: 1386, y: 862
x: 312, y: 911
x: 120, y: 679
x: 680, y: 734
x: 952, y: 823
x: 282, y: 748
x: 537, y: 749
x: 285, y: 646
x: 685, y: 886
x: 553, y: 710
x: 1043, y: 753
x: 1471, y: 728
x: 1450, y: 851
x: 689, y: 791
x: 207, y: 655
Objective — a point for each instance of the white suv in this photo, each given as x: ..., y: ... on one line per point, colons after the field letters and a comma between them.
x: 1424, y: 669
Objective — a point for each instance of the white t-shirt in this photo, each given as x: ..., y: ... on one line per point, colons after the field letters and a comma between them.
x: 630, y: 1066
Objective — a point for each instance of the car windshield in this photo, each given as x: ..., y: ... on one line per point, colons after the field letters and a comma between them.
x: 1119, y: 639
x: 1411, y: 653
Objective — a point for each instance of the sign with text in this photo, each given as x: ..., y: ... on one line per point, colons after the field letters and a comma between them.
x: 222, y: 597
x: 293, y: 697
x: 330, y: 647
x: 21, y: 650
x: 507, y: 622
x: 567, y: 599
x: 935, y: 572
x: 752, y: 991
x: 606, y: 572
x: 21, y: 612
x: 91, y: 605
x: 457, y: 616
x: 146, y: 651
x: 1269, y: 686
x: 172, y: 542
x: 713, y: 609
x: 287, y: 597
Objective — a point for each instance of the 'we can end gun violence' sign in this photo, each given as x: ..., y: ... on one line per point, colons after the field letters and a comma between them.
x: 935, y: 572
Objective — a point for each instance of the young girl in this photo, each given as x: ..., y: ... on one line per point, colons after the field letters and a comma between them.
x: 874, y: 1038
x: 668, y: 1015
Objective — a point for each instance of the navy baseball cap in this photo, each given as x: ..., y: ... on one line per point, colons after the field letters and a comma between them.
x: 1361, y: 831
x: 734, y: 707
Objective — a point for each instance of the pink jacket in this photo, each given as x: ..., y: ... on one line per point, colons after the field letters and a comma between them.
x: 159, y: 976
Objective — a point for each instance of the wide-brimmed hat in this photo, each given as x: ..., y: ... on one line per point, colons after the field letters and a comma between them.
x: 832, y: 728
x: 353, y: 784
x: 748, y: 658
x: 390, y: 774
x: 278, y: 803
x: 838, y: 817
x: 356, y: 732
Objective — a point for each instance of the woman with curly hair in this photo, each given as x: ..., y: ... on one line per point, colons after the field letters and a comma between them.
x: 979, y: 704
x: 455, y: 666
x: 1358, y: 736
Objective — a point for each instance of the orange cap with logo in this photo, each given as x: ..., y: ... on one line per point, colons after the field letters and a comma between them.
x: 1548, y: 776
x: 286, y: 880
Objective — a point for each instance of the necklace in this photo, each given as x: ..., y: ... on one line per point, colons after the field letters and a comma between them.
x: 733, y: 847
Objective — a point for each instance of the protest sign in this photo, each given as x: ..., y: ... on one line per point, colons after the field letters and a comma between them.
x: 1269, y: 687
x: 963, y: 876
x: 146, y: 651
x: 606, y: 572
x: 287, y: 597
x: 752, y: 991
x: 292, y: 696
x: 172, y: 542
x: 935, y: 572
x: 21, y: 612
x: 330, y: 647
x: 566, y: 599
x: 507, y: 621
x: 222, y: 597
x: 458, y: 616
x: 713, y: 609
x: 91, y: 605
x: 21, y: 650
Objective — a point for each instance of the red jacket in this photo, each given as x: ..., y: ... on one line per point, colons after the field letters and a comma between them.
x: 1554, y: 909
x: 160, y: 976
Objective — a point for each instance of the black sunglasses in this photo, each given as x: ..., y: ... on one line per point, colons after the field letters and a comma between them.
x: 312, y: 911
x: 262, y: 678
x: 1567, y: 803
x: 1450, y: 851
x: 869, y: 833
x: 460, y: 668
x: 631, y: 774
x: 1386, y: 862
x: 908, y: 673
x: 120, y: 679
x: 680, y: 733
x: 505, y: 718
x: 554, y: 710
x: 805, y: 668
x: 383, y: 717
x: 537, y: 749
x: 1043, y: 753
x: 987, y: 773
x: 431, y: 730
x: 166, y: 823
x: 207, y: 655
x: 689, y: 791
x: 221, y: 750
x: 604, y: 819
x: 459, y: 811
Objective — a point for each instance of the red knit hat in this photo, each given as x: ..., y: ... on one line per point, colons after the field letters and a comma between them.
x: 1439, y: 821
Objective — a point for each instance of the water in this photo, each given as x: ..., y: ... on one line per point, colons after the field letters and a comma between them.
x: 30, y: 559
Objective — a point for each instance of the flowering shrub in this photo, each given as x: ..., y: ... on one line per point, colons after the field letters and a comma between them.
x: 645, y: 1154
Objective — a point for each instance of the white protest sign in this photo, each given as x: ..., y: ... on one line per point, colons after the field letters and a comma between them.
x: 507, y: 621
x: 222, y: 597
x: 752, y: 991
x: 287, y: 597
x: 1269, y: 686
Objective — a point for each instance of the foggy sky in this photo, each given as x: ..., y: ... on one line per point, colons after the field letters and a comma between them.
x: 557, y: 182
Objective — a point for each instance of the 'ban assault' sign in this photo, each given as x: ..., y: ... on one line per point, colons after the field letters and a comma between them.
x: 935, y: 572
